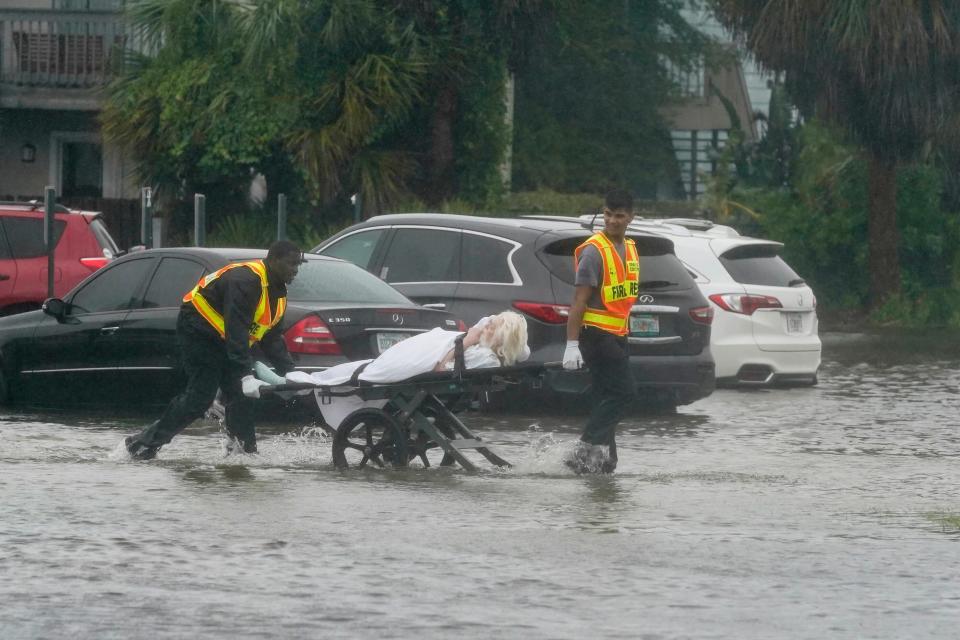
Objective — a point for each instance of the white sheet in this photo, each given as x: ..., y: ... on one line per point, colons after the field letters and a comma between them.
x: 413, y: 356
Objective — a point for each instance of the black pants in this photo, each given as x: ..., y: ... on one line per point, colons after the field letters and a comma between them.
x: 614, y: 390
x: 205, y: 363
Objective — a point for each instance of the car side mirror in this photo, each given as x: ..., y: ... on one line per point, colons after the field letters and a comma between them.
x: 55, y: 307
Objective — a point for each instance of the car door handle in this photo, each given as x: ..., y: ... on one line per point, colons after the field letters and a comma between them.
x: 3, y: 277
x: 109, y: 330
x: 435, y: 305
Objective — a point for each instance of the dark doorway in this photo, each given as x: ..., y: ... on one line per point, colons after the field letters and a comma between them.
x: 82, y: 170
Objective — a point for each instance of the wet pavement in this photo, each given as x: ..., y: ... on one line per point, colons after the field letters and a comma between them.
x: 823, y: 512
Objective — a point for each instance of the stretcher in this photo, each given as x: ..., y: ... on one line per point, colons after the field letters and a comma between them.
x: 399, y: 422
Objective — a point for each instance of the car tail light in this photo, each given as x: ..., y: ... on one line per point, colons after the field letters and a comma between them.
x: 94, y: 263
x: 702, y: 315
x: 311, y: 336
x: 461, y: 325
x: 549, y: 313
x: 744, y: 303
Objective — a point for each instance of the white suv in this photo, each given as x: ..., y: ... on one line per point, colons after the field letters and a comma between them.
x: 765, y: 328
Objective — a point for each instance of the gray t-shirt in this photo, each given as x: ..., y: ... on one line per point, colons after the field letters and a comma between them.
x: 590, y: 271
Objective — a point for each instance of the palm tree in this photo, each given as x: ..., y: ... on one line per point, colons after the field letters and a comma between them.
x: 231, y: 85
x: 355, y: 71
x: 888, y: 72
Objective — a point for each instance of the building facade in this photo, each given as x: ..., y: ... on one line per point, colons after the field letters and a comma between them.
x: 700, y: 120
x: 56, y: 56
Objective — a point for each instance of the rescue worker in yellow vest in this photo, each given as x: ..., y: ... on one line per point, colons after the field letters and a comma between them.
x: 607, y: 283
x: 227, y: 313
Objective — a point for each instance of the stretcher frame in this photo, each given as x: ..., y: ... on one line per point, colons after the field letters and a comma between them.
x: 417, y: 415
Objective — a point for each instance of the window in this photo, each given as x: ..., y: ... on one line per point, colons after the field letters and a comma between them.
x: 174, y: 278
x: 485, y: 259
x: 558, y: 257
x: 25, y: 236
x: 689, y: 82
x: 114, y: 288
x: 759, y: 264
x: 663, y: 271
x: 356, y: 248
x: 423, y: 255
x: 329, y: 281
x: 5, y: 253
x: 660, y: 269
x: 103, y: 236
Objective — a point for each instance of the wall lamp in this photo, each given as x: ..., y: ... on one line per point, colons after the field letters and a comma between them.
x: 28, y: 152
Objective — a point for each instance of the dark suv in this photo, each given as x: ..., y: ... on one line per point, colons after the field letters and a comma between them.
x: 474, y: 266
x: 83, y: 245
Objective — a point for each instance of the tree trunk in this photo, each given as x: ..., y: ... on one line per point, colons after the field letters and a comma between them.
x: 440, y: 167
x: 883, y: 234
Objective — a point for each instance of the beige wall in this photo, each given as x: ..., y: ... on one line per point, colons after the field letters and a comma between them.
x: 43, y: 129
x: 708, y: 113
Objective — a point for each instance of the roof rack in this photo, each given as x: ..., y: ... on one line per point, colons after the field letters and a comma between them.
x: 697, y: 224
x: 33, y: 205
x: 581, y: 220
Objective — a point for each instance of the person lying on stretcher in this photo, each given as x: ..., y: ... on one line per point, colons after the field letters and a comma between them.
x: 494, y: 341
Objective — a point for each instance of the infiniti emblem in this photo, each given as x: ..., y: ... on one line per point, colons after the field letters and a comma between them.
x: 397, y: 318
x: 645, y: 299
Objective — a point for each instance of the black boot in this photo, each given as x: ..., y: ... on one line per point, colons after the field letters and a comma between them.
x: 138, y: 450
x: 236, y: 445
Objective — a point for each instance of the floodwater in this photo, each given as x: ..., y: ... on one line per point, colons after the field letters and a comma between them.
x: 826, y: 512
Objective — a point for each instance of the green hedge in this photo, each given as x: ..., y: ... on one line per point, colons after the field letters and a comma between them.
x: 822, y: 219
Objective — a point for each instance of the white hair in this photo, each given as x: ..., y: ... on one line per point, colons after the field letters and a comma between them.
x: 509, y: 336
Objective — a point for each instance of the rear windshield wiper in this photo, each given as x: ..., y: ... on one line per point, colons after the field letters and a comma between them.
x: 797, y: 282
x: 658, y: 284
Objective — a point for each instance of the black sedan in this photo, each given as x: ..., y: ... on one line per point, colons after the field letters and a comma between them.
x: 112, y: 338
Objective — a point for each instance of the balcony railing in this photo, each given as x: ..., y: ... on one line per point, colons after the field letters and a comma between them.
x: 56, y: 48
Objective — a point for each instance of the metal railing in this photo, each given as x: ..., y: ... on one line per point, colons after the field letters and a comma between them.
x: 57, y: 48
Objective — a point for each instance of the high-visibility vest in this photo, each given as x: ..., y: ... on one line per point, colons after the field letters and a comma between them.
x: 621, y: 284
x: 263, y: 321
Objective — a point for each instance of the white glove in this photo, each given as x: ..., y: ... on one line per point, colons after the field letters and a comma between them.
x: 251, y: 386
x: 572, y: 359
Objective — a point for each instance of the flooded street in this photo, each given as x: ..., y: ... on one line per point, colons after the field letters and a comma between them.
x: 826, y: 512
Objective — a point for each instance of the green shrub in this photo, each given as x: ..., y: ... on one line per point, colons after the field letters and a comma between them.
x: 823, y: 221
x: 251, y: 229
x: 545, y: 201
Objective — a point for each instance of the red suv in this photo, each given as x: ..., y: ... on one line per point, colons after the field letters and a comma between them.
x: 83, y: 245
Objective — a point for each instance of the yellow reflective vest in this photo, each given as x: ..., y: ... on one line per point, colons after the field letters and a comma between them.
x: 263, y: 321
x: 620, y: 287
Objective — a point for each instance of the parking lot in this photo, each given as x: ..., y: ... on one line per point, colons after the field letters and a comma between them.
x: 817, y: 512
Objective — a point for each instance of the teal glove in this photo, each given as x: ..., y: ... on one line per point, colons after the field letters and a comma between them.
x: 266, y: 374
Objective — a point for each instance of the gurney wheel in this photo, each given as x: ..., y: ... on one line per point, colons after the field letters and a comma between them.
x: 369, y: 436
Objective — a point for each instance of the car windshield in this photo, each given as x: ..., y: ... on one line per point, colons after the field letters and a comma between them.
x: 760, y: 265
x: 659, y: 267
x: 335, y: 281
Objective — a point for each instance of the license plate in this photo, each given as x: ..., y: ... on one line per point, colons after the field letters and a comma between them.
x: 644, y: 325
x: 794, y: 322
x: 387, y: 340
